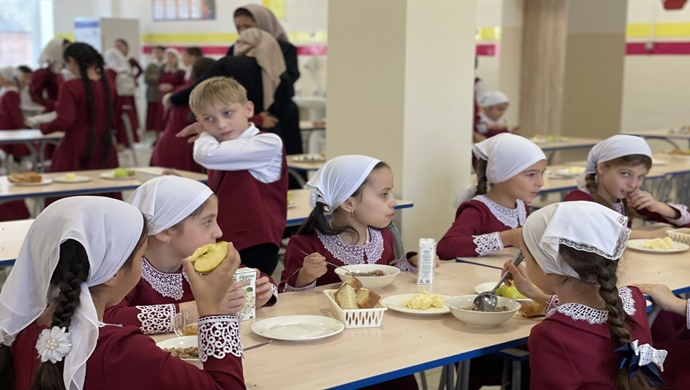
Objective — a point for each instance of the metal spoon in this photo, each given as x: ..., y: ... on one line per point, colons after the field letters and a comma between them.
x: 487, y: 300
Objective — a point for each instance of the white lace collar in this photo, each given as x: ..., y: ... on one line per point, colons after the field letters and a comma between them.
x: 579, y: 312
x: 513, y: 218
x: 168, y: 284
x: 354, y: 254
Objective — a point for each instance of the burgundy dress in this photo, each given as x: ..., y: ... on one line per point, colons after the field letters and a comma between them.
x: 475, y: 231
x: 568, y: 353
x: 126, y: 359
x: 156, y: 298
x: 171, y: 151
x: 379, y: 250
x: 11, y: 118
x: 176, y: 79
x: 44, y: 88
x: 682, y: 221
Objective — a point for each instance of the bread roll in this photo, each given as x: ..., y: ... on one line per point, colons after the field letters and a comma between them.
x: 346, y: 297
x: 531, y: 309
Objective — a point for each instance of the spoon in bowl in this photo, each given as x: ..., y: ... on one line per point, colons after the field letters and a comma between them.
x: 487, y: 301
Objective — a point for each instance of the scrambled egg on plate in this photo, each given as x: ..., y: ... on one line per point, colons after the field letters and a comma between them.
x: 659, y: 243
x: 424, y: 301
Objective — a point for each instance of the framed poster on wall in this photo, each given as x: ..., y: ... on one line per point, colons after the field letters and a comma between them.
x: 177, y: 10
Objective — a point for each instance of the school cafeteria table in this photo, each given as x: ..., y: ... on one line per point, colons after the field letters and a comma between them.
x: 30, y: 137
x: 97, y: 184
x: 636, y: 267
x: 668, y: 135
x: 12, y: 233
x: 566, y: 143
x: 404, y: 344
x: 298, y: 209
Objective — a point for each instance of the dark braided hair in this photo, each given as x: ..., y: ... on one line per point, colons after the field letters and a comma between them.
x: 629, y: 160
x: 482, y: 180
x: 87, y: 57
x: 317, y: 220
x: 593, y: 268
x: 72, y: 270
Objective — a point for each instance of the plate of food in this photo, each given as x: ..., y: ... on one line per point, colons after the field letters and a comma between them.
x: 658, y: 162
x: 185, y: 348
x: 679, y: 154
x: 298, y: 327
x: 71, y: 177
x: 544, y: 139
x: 28, y: 179
x: 119, y: 174
x: 658, y: 245
x: 423, y: 304
x: 311, y: 158
x: 509, y: 292
x: 571, y: 171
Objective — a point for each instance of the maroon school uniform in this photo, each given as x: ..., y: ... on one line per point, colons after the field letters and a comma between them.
x: 126, y: 359
x: 250, y: 212
x: 572, y: 347
x: 176, y: 79
x: 682, y: 221
x: 11, y: 118
x: 71, y: 109
x: 171, y: 151
x: 482, y: 126
x: 156, y: 298
x: 475, y: 231
x: 44, y: 88
x: 379, y: 250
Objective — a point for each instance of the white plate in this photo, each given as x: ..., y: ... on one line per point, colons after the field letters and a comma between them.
x: 638, y: 245
x: 298, y: 328
x: 397, y: 303
x: 659, y: 162
x: 480, y: 288
x: 291, y: 205
x: 78, y: 179
x: 182, y: 342
x: 566, y: 172
x: 43, y: 182
x: 109, y: 176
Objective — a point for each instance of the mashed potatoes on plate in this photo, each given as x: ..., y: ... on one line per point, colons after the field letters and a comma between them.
x: 659, y: 244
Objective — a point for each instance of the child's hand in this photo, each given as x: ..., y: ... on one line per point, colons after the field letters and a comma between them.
x: 518, y: 275
x: 263, y: 289
x: 641, y: 200
x: 165, y: 87
x: 192, y: 130
x: 268, y: 120
x: 235, y: 297
x: 663, y: 296
x: 511, y: 237
x: 314, y: 266
x: 210, y: 290
x: 414, y: 260
x: 167, y: 101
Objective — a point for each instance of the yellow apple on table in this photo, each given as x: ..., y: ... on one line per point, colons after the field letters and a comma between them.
x: 510, y: 292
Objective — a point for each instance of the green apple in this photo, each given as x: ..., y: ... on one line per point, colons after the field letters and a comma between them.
x: 510, y: 292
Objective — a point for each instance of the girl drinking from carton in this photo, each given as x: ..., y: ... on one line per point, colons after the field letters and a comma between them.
x: 182, y: 217
x: 510, y: 173
x: 247, y: 170
x: 81, y: 255
x: 598, y: 334
x: 356, y: 192
x: 616, y: 169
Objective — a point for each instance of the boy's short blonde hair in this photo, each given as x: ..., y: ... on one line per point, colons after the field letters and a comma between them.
x: 216, y: 90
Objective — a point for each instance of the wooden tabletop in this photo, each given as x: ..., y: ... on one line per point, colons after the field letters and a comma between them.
x: 97, y: 184
x: 28, y: 135
x: 566, y: 142
x: 12, y: 235
x: 671, y: 133
x: 404, y: 343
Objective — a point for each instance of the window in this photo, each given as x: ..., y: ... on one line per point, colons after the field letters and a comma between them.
x: 19, y: 35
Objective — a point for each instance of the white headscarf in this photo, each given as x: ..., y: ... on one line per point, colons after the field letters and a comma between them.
x: 614, y: 147
x: 115, y: 60
x: 507, y: 155
x: 493, y: 98
x: 52, y: 54
x: 338, y: 179
x: 167, y: 200
x: 109, y: 230
x: 611, y: 148
x: 585, y: 226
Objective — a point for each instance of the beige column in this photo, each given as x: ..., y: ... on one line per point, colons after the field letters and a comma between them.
x: 400, y: 88
x: 572, y: 67
x: 510, y: 56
